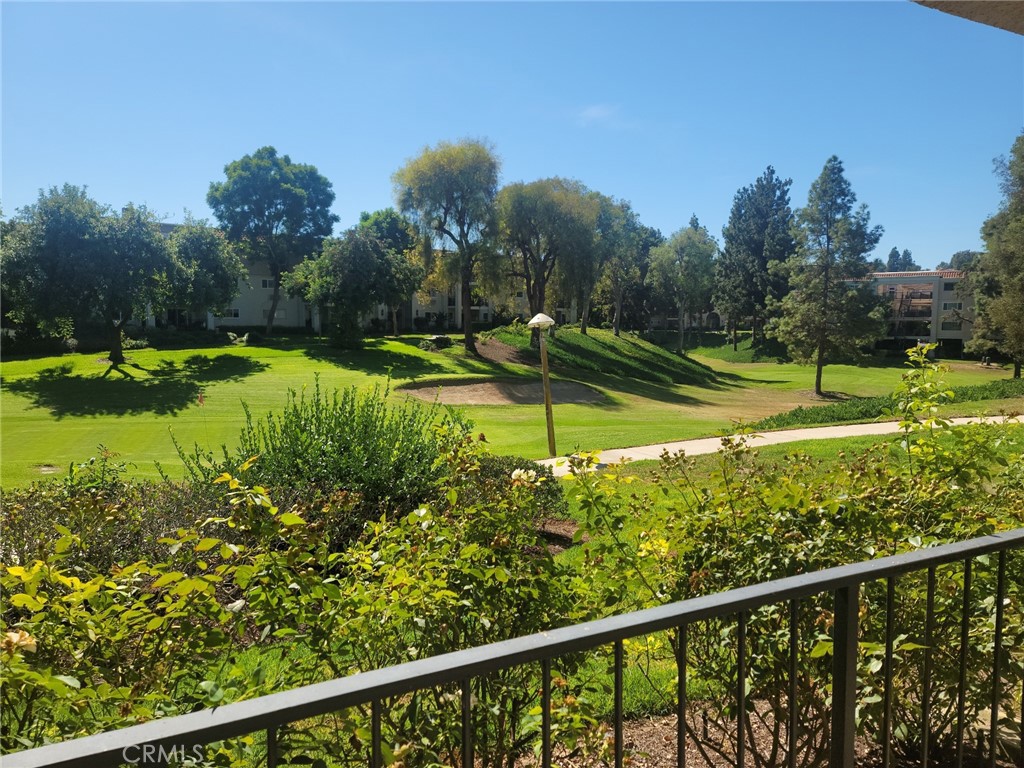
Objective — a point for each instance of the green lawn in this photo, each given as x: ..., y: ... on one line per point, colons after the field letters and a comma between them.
x: 57, y: 410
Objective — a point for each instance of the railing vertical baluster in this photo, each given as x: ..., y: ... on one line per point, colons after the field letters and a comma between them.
x: 1020, y: 743
x: 545, y: 702
x: 961, y: 697
x: 467, y: 724
x: 681, y: 696
x: 996, y: 661
x: 618, y: 704
x: 272, y: 747
x: 926, y: 693
x: 741, y: 689
x: 844, y: 677
x: 377, y: 758
x: 794, y: 658
x: 890, y: 620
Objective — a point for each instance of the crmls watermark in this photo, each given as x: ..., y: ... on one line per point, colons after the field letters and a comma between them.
x: 162, y: 754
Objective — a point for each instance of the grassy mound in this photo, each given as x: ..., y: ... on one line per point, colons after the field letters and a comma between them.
x: 601, y: 351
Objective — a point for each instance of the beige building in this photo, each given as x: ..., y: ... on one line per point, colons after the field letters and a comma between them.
x: 926, y: 306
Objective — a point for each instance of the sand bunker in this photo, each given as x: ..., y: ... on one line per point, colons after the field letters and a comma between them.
x: 506, y: 393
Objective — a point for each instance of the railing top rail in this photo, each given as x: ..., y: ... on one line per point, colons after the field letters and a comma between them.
x: 243, y: 717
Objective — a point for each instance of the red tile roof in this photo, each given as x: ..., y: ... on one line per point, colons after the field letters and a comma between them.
x: 943, y: 273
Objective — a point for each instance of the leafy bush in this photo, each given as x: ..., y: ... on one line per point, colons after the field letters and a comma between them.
x: 495, y: 479
x: 116, y: 520
x: 386, y: 455
x: 870, y: 408
x: 257, y: 589
x: 752, y: 521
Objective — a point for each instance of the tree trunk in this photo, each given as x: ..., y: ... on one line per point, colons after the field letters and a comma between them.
x: 116, y: 351
x: 394, y: 322
x: 617, y: 321
x: 467, y: 313
x: 585, y: 317
x: 1016, y: 369
x: 734, y: 343
x: 274, y: 298
x: 682, y: 322
x: 821, y: 366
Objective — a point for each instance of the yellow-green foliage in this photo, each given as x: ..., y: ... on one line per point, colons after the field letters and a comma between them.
x: 751, y: 521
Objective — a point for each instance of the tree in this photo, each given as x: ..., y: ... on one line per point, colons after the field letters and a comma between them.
x: 278, y: 211
x: 999, y: 320
x: 344, y: 278
x: 901, y: 262
x: 399, y: 276
x: 961, y: 261
x: 539, y: 223
x: 683, y: 269
x: 72, y: 259
x: 830, y: 311
x: 449, y: 192
x: 209, y: 267
x: 757, y: 238
x: 623, y: 244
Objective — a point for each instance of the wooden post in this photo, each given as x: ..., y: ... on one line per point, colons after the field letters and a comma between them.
x: 547, y: 393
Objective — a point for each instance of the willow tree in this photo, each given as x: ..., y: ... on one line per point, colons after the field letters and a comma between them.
x: 538, y: 224
x: 448, y: 191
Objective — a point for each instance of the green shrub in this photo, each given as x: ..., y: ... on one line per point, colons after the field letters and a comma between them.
x: 751, y: 521
x: 495, y: 479
x: 203, y: 621
x: 385, y: 454
x: 116, y: 520
x: 871, y: 408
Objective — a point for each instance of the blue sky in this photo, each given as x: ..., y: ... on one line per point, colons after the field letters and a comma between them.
x: 672, y: 105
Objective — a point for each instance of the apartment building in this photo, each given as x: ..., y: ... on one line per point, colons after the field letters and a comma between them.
x: 926, y: 306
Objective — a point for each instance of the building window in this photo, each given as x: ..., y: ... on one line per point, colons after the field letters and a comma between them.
x: 949, y: 287
x: 519, y: 294
x: 267, y: 283
x: 233, y: 312
x: 950, y: 306
x: 951, y: 325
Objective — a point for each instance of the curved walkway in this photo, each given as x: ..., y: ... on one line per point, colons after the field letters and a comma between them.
x: 711, y: 444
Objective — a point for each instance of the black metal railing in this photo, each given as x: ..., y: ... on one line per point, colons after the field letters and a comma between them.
x: 270, y: 713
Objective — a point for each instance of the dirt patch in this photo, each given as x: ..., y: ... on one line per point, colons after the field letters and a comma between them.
x: 500, y: 352
x: 47, y: 469
x: 558, y: 534
x: 506, y: 393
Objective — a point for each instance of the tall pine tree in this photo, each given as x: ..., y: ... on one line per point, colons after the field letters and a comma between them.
x: 757, y: 236
x: 830, y: 312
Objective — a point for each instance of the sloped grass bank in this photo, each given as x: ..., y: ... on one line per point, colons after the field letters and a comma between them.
x: 600, y: 350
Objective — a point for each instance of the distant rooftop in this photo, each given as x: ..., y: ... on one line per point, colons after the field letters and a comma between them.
x: 946, y: 274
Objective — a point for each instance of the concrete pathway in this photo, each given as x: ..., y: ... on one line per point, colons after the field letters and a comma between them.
x: 711, y: 444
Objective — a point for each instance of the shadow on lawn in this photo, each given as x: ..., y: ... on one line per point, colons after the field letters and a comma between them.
x: 374, y: 359
x: 166, y: 389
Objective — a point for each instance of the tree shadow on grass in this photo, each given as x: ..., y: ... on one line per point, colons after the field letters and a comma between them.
x: 649, y: 390
x: 373, y: 358
x: 164, y: 390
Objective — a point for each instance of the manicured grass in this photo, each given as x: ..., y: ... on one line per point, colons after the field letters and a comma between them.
x: 603, y: 352
x: 57, y: 410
